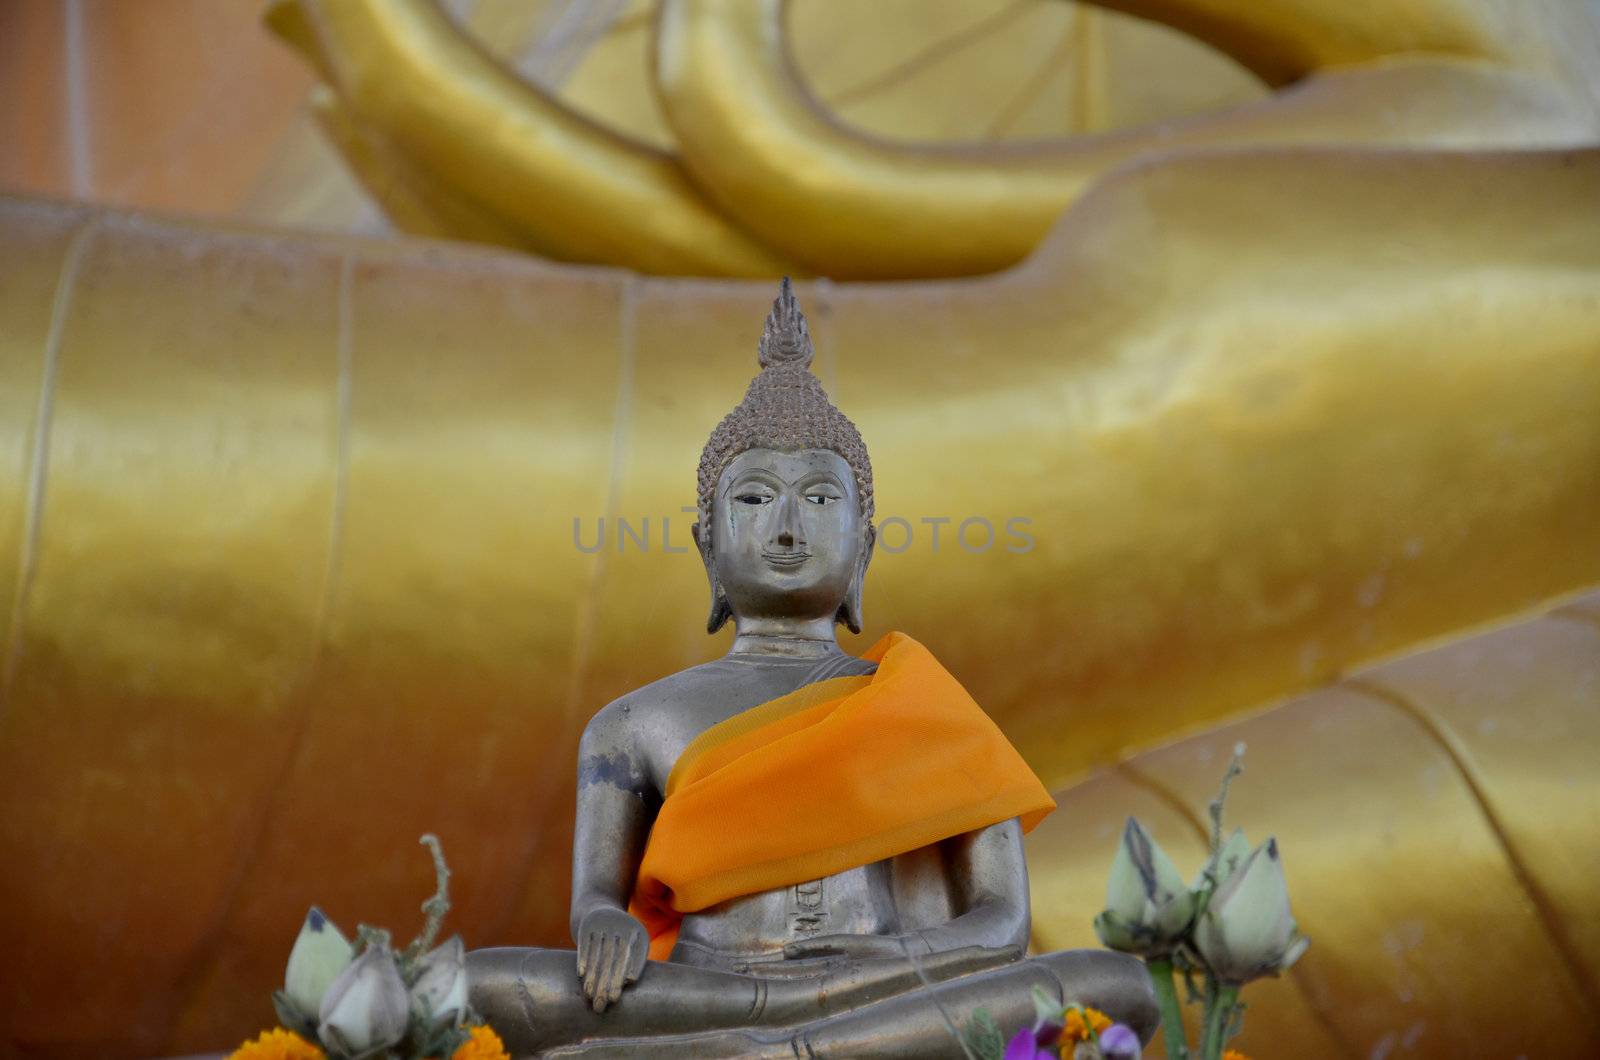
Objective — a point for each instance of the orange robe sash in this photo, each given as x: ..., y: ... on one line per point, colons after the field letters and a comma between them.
x: 839, y: 773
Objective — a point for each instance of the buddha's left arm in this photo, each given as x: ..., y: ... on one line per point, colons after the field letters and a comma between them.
x: 989, y: 881
x: 989, y: 876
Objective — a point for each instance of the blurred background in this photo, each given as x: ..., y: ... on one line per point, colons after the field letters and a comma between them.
x: 335, y: 333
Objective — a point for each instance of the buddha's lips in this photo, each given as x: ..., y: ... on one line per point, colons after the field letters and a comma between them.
x: 785, y: 559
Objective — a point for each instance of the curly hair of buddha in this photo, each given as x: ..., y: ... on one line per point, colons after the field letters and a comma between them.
x: 784, y: 408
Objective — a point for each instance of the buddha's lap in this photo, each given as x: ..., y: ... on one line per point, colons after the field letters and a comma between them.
x: 541, y: 988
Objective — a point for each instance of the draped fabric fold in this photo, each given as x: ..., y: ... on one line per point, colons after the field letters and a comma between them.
x: 839, y: 773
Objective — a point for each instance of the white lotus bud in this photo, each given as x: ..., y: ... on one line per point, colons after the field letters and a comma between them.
x: 1148, y: 906
x: 1247, y: 930
x: 441, y: 988
x: 367, y: 1006
x: 320, y: 953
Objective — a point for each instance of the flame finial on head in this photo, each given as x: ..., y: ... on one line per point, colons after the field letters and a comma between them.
x: 785, y: 339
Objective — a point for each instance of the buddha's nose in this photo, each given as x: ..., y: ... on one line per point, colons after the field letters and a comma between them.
x: 786, y: 532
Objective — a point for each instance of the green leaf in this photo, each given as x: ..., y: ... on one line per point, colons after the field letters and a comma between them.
x: 1046, y: 1009
x: 983, y: 1037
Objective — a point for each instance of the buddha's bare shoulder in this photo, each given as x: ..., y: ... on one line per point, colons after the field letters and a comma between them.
x: 662, y: 716
x: 666, y: 695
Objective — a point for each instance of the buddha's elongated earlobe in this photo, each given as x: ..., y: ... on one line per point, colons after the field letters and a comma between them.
x: 721, y: 610
x: 850, y: 609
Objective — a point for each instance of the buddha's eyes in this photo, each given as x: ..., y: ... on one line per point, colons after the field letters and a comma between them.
x: 823, y: 496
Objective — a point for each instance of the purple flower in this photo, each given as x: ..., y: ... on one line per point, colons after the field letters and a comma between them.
x: 1023, y: 1046
x: 1119, y: 1043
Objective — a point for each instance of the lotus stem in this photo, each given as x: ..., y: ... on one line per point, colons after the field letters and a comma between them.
x: 435, y: 907
x: 1172, y: 1032
x: 1219, y: 1014
x: 1235, y: 767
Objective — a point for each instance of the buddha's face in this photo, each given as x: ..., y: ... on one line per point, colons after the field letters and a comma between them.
x: 787, y: 534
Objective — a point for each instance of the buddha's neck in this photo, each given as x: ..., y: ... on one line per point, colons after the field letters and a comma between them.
x: 784, y: 638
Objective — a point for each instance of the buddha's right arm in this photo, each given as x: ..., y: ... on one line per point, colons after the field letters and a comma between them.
x: 614, y: 812
x: 606, y: 847
x: 613, y: 820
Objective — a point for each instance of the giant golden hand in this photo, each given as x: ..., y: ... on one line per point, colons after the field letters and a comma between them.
x: 762, y: 177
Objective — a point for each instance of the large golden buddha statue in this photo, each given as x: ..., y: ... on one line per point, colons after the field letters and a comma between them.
x: 791, y: 850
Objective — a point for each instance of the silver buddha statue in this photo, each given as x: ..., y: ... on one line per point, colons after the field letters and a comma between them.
x: 881, y: 941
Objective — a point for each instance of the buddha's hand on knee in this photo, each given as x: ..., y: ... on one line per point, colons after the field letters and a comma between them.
x: 858, y: 947
x: 612, y: 949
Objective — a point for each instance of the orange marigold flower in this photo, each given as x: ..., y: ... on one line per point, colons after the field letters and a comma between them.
x: 484, y: 1044
x: 1076, y: 1030
x: 278, y: 1044
x: 1234, y: 1054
